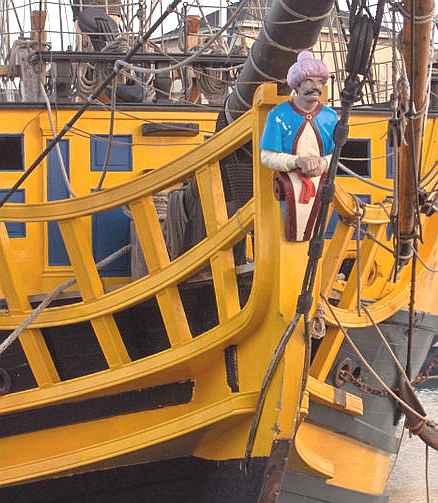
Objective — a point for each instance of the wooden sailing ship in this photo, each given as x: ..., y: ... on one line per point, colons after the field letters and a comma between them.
x: 142, y: 383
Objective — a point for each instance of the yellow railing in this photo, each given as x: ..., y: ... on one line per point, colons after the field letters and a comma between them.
x: 98, y: 306
x: 164, y: 275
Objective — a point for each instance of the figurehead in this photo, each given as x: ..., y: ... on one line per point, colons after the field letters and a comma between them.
x: 297, y: 143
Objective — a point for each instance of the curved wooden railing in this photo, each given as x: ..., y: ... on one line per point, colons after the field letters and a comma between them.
x: 392, y: 296
x: 162, y: 281
x: 165, y: 275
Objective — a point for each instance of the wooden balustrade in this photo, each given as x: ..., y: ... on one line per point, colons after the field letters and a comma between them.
x: 31, y: 340
x: 147, y: 227
x: 164, y: 275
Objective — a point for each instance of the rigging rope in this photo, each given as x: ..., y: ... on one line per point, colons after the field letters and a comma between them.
x: 359, y: 213
x: 110, y: 136
x: 386, y: 343
x: 121, y: 63
x: 58, y: 149
x: 371, y: 370
x: 423, y: 263
x: 91, y: 75
x: 301, y: 18
x: 416, y: 19
x: 426, y: 468
x: 363, y: 179
x: 52, y: 296
x: 140, y: 42
x: 349, y: 95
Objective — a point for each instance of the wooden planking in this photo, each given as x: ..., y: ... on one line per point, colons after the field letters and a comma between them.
x: 222, y: 263
x: 32, y: 340
x: 77, y: 242
x: 150, y: 236
x: 331, y: 343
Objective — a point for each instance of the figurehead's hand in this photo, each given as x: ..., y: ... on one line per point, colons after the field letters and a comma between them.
x: 312, y: 166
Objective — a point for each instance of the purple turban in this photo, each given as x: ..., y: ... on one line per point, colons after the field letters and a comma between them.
x: 305, y: 67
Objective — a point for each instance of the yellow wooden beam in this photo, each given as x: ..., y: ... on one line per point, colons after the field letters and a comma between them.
x: 175, y: 272
x: 291, y: 385
x: 334, y: 256
x: 304, y: 458
x: 332, y: 342
x: 77, y: 447
x: 150, y: 236
x: 347, y: 462
x: 31, y: 340
x: 346, y: 206
x: 334, y: 397
x: 222, y: 264
x: 78, y: 246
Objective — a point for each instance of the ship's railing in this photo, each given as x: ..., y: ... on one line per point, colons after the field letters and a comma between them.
x: 164, y: 276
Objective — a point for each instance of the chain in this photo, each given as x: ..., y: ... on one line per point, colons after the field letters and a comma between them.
x: 347, y: 377
x: 424, y: 376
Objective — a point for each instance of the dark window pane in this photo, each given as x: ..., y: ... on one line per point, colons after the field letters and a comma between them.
x: 11, y: 153
x: 354, y: 155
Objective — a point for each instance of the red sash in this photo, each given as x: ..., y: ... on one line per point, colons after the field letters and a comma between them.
x: 307, y: 190
x: 284, y: 191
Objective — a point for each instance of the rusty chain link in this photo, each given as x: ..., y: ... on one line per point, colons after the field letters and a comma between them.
x: 421, y: 378
x: 348, y: 377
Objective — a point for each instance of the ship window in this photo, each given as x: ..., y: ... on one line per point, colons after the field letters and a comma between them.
x: 105, y: 243
x: 11, y: 152
x: 15, y: 229
x: 389, y: 162
x: 56, y: 189
x: 355, y: 155
x: 121, y: 153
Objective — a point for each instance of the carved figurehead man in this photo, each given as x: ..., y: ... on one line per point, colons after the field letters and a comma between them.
x: 297, y: 142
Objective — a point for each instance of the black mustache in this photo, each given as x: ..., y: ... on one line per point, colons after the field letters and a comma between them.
x: 311, y: 91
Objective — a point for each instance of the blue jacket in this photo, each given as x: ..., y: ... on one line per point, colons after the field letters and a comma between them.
x: 286, y: 122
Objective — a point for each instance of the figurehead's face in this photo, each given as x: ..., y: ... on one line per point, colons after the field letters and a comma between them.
x: 310, y: 90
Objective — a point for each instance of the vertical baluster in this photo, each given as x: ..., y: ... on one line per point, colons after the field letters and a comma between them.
x: 368, y: 250
x: 222, y: 263
x: 31, y: 340
x: 148, y: 229
x: 331, y: 343
x: 77, y: 242
x: 335, y: 255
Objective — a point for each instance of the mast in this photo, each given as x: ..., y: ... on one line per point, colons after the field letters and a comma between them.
x: 290, y: 26
x: 416, y: 40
